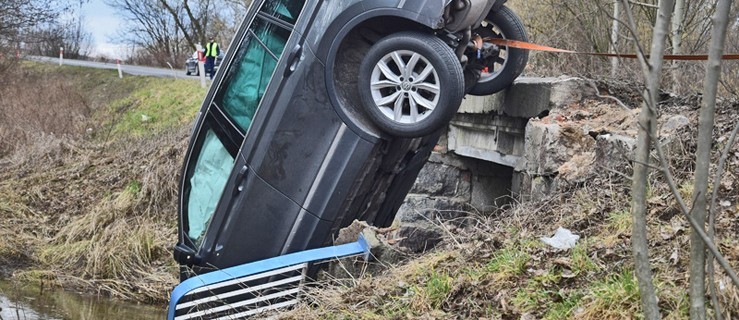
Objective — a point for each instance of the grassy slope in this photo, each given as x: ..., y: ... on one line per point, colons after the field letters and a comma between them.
x: 95, y: 209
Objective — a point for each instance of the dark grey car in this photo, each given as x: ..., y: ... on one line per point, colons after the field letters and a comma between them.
x: 191, y: 65
x: 325, y: 112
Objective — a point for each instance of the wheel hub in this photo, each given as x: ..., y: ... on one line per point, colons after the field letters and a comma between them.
x: 406, y: 86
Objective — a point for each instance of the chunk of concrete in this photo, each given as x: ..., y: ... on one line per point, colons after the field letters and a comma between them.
x: 494, y: 138
x: 614, y: 151
x: 674, y: 124
x: 550, y: 144
x: 436, y: 179
x: 383, y: 253
x: 530, y: 97
x: 418, y: 238
x: 422, y: 208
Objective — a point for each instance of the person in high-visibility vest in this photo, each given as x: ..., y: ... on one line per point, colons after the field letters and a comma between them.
x: 211, y: 52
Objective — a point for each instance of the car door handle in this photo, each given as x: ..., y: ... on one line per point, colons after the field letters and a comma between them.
x: 293, y: 60
x: 239, y: 179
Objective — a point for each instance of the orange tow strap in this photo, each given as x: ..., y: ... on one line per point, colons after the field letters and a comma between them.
x: 531, y: 46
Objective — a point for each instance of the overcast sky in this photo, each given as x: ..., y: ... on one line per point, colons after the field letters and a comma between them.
x: 103, y: 23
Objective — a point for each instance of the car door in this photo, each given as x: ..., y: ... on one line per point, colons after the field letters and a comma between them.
x: 217, y: 184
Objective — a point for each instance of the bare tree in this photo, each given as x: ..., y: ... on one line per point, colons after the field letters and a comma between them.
x: 16, y: 15
x: 703, y: 160
x: 45, y: 40
x: 677, y: 26
x: 170, y: 30
x: 647, y: 129
x: 151, y: 28
x: 231, y: 14
x: 194, y: 24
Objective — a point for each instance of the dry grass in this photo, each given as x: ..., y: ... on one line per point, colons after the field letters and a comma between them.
x: 106, y: 222
x: 86, y: 209
x: 55, y: 106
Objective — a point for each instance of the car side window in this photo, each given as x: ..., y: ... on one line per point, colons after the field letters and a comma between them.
x: 212, y: 168
x: 285, y: 10
x: 211, y: 163
x: 229, y: 117
x: 256, y: 60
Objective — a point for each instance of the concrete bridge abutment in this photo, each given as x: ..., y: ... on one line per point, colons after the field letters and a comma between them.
x: 497, y: 149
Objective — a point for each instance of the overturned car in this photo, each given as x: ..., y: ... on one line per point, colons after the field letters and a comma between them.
x: 324, y: 112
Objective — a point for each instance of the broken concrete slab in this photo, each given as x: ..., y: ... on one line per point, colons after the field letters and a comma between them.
x: 437, y: 179
x: 424, y: 208
x: 418, y: 237
x: 530, y: 97
x: 615, y: 152
x: 572, y: 145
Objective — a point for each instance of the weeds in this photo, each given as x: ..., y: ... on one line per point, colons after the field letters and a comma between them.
x: 565, y: 308
x: 616, y: 297
x: 619, y: 222
x: 581, y: 261
x: 508, y: 263
x: 155, y: 107
x: 432, y: 295
x: 530, y: 297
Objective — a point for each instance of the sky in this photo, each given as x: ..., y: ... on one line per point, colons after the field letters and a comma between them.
x: 103, y: 23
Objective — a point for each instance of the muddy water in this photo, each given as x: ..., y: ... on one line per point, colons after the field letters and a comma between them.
x: 33, y: 303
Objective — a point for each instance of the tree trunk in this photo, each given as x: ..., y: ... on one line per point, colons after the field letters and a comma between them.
x: 677, y: 26
x: 703, y: 160
x: 647, y: 130
x: 677, y: 37
x: 639, y: 239
x: 614, y: 36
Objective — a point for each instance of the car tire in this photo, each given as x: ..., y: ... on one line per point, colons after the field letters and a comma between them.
x: 407, y: 100
x: 503, y: 23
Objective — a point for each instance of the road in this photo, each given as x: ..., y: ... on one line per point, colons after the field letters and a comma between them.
x: 129, y: 69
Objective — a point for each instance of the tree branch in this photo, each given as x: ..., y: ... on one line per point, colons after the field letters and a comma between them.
x: 684, y: 209
x: 712, y: 218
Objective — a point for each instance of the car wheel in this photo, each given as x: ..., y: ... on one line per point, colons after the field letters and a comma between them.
x: 509, y: 64
x: 410, y: 84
